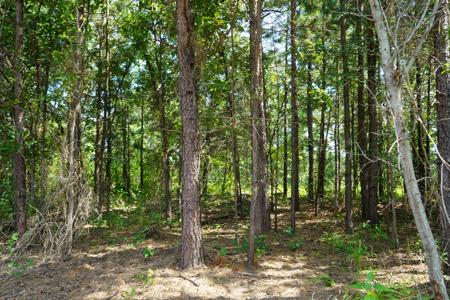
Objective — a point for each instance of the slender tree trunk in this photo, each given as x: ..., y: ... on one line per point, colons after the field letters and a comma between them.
x: 442, y: 54
x: 393, y: 78
x: 294, y: 117
x: 347, y: 124
x: 19, y: 170
x: 322, y: 139
x: 73, y: 142
x: 164, y: 135
x: 43, y: 139
x: 125, y: 162
x: 259, y: 221
x: 98, y: 131
x: 372, y: 166
x: 421, y: 155
x: 191, y: 238
x: 234, y: 142
x: 107, y: 101
x: 337, y: 145
x: 285, y: 123
x: 310, y: 120
x: 362, y: 134
x: 141, y: 150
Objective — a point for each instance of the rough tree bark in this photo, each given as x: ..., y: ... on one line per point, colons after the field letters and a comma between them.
x: 191, y: 237
x: 259, y: 213
x: 393, y: 78
x: 19, y: 170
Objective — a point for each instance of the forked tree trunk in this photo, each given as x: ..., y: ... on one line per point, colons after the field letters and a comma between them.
x: 393, y: 79
x: 191, y: 237
x: 19, y: 171
x: 259, y: 221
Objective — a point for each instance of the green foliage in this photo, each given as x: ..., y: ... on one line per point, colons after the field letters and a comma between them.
x: 325, y: 280
x: 11, y: 242
x: 146, y: 278
x: 373, y: 290
x: 373, y: 232
x: 289, y: 232
x: 295, y: 245
x: 148, y: 252
x: 223, y: 251
x: 17, y: 268
x: 129, y: 295
x: 351, y: 245
x: 261, y: 245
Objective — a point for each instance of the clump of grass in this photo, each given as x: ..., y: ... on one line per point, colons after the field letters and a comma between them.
x: 295, y: 244
x: 146, y: 278
x: 351, y: 245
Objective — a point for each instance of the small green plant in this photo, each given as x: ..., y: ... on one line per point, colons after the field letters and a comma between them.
x: 374, y: 290
x: 325, y: 280
x: 295, y: 245
x: 148, y: 252
x: 289, y: 232
x: 261, y: 245
x: 373, y: 232
x: 129, y: 295
x: 223, y: 251
x: 146, y: 278
x: 11, y: 242
x: 17, y: 268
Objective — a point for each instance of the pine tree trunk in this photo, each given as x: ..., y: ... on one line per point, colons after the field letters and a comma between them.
x: 393, y: 79
x: 259, y: 213
x: 294, y: 117
x: 191, y: 238
x: 347, y: 124
x: 19, y: 166
x: 309, y: 109
x: 322, y: 140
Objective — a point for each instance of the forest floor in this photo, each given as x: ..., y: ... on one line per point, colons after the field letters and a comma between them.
x: 120, y: 261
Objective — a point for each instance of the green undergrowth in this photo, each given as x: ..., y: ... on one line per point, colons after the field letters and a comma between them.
x: 372, y: 289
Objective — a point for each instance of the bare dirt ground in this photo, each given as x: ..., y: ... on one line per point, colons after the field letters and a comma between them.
x: 106, y: 265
